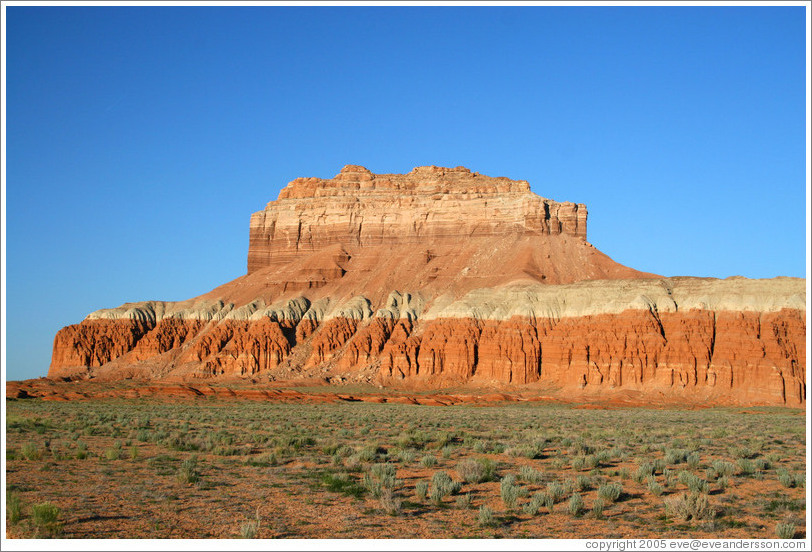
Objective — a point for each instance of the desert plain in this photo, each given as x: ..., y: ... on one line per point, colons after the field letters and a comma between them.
x: 361, y: 462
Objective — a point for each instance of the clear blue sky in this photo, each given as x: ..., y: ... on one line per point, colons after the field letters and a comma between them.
x: 140, y: 140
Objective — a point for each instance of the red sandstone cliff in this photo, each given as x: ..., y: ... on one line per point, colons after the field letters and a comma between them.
x: 445, y: 277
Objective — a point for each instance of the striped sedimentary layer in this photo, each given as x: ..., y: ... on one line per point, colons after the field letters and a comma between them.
x: 429, y: 206
x: 734, y: 340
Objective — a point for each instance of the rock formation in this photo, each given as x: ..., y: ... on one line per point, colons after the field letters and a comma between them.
x: 444, y: 277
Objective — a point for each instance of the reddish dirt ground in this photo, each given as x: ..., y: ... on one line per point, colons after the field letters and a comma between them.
x: 112, y: 464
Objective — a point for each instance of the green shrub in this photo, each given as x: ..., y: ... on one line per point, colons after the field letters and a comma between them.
x: 643, y: 472
x: 30, y: 451
x: 610, y: 491
x: 413, y: 439
x: 442, y: 486
x: 112, y: 453
x: 508, y: 491
x: 532, y: 508
x: 785, y: 530
x: 390, y: 503
x: 597, y: 507
x: 580, y: 447
x: 385, y: 472
x: 530, y: 451
x: 569, y: 486
x: 676, y: 456
x: 583, y: 483
x: 744, y: 452
x: 45, y: 518
x: 380, y: 477
x: 342, y: 483
x: 556, y: 491
x: 407, y: 456
x: 265, y: 460
x: 476, y: 470
x: 654, y: 487
x: 373, y: 485
x: 330, y: 448
x: 693, y: 482
x: 601, y: 458
x: 428, y: 461
x: 371, y: 453
x: 746, y: 466
x: 188, y: 472
x: 344, y: 451
x: 485, y: 516
x: 693, y: 506
x: 785, y: 478
x: 549, y: 501
x: 421, y: 490
x: 720, y: 467
x: 659, y: 465
x: 14, y: 507
x: 531, y: 475
x: 464, y: 501
x: 693, y: 460
x: 575, y: 504
x: 668, y: 478
x: 762, y: 464
x: 81, y: 452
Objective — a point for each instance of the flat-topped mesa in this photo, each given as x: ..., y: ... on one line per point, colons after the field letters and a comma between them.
x: 443, y: 277
x: 428, y: 205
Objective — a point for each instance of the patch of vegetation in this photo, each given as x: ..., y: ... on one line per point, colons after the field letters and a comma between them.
x: 250, y: 528
x: 343, y: 484
x: 690, y: 506
x: 610, y: 492
x: 476, y: 470
x: 785, y: 530
x: 442, y: 486
x: 509, y: 491
x: 188, y: 472
x: 390, y: 503
x: 30, y: 451
x: 421, y: 490
x: 45, y: 517
x: 14, y: 507
x: 485, y: 516
x: 428, y: 461
x: 575, y: 504
x: 597, y: 508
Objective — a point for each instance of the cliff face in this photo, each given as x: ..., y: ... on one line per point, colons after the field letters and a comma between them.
x: 430, y: 206
x: 445, y: 277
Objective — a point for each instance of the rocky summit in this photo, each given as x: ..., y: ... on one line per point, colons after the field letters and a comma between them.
x: 444, y: 277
